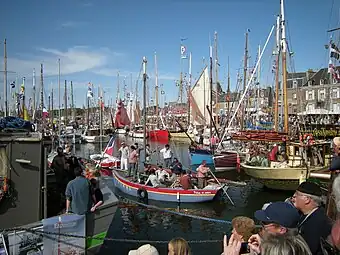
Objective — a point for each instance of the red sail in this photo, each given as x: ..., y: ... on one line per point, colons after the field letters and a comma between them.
x: 122, y: 118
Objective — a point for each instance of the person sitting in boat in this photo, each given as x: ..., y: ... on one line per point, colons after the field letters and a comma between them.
x: 176, y: 166
x: 167, y: 155
x: 162, y: 174
x: 202, y: 172
x: 153, y: 181
x: 185, y: 180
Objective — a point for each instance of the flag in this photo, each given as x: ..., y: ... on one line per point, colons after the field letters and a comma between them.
x: 44, y: 113
x: 330, y: 67
x: 183, y: 52
x: 334, y: 52
x: 13, y: 84
x: 110, y: 145
x: 89, y: 91
x: 162, y: 92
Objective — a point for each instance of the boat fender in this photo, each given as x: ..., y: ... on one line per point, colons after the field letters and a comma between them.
x: 142, y: 193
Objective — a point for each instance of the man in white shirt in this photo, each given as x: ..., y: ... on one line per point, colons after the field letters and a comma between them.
x: 124, y: 155
x: 167, y: 155
x: 162, y: 174
x: 154, y: 181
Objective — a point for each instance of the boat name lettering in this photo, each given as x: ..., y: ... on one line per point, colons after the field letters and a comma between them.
x: 322, y: 132
x: 202, y: 192
x: 65, y: 224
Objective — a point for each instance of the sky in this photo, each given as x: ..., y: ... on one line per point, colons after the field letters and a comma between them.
x: 95, y: 40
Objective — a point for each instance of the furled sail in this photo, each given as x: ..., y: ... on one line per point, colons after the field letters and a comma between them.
x: 122, y: 118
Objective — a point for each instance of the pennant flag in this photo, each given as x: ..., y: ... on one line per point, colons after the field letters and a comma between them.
x: 13, y: 84
x: 44, y: 113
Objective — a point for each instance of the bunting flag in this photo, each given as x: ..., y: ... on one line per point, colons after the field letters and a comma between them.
x: 13, y: 84
x: 162, y: 92
x: 274, y: 66
x: 44, y: 113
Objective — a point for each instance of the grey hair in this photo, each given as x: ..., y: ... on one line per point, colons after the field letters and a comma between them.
x: 285, y: 245
x: 336, y: 192
x: 317, y: 200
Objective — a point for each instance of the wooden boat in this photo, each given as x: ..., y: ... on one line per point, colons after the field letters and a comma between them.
x: 159, y: 135
x: 180, y: 135
x: 289, y: 177
x: 165, y: 194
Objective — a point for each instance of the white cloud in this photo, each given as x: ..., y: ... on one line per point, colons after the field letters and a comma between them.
x: 71, y: 24
x: 73, y: 60
x: 112, y: 72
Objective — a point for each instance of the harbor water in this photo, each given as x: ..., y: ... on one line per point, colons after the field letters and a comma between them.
x: 140, y: 223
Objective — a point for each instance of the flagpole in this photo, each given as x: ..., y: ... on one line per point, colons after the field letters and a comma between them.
x: 59, y: 92
x: 5, y: 79
x: 23, y: 97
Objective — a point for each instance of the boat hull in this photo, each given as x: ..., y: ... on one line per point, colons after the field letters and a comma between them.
x: 224, y: 161
x: 278, y: 178
x: 159, y: 135
x: 96, y: 139
x: 180, y: 136
x: 164, y: 194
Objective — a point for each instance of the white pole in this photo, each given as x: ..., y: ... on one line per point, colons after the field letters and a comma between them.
x: 248, y: 85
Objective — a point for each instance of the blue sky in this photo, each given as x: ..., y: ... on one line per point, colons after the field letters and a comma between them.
x: 96, y: 39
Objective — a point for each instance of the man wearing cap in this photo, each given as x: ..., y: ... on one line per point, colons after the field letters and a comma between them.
x: 278, y: 218
x: 145, y: 249
x: 335, y: 164
x: 314, y: 224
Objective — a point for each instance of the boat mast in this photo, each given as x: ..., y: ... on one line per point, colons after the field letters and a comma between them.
x: 52, y: 108
x: 189, y: 89
x: 244, y: 78
x: 258, y: 79
x: 5, y: 79
x: 65, y: 101
x: 228, y: 90
x: 216, y: 79
x: 42, y: 94
x: 211, y: 89
x: 144, y: 106
x: 34, y: 96
x: 100, y: 93
x: 284, y: 67
x: 59, y: 93
x: 204, y: 87
x: 88, y: 104
x: 23, y: 97
x: 277, y: 75
x: 118, y: 95
x: 130, y: 101
x: 156, y: 89
x: 72, y: 102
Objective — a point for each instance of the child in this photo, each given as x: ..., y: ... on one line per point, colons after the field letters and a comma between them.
x: 97, y: 193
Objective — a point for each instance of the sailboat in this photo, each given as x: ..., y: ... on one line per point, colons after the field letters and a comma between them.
x: 282, y: 176
x: 121, y: 120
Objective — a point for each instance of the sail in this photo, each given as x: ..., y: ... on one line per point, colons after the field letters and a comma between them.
x: 122, y: 118
x: 200, y: 97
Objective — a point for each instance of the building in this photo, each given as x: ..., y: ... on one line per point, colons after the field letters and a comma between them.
x: 312, y: 90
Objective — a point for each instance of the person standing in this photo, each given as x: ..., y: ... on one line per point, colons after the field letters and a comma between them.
x: 167, y: 155
x: 202, y: 172
x: 133, y: 158
x: 124, y: 156
x: 60, y: 170
x: 79, y: 194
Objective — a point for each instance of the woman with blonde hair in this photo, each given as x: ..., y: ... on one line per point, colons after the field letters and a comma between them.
x: 178, y: 246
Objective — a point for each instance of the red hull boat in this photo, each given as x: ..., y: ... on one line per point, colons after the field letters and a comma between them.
x: 159, y: 135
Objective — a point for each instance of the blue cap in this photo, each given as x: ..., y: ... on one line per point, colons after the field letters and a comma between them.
x: 281, y: 213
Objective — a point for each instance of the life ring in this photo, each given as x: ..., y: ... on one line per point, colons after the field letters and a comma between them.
x: 142, y: 193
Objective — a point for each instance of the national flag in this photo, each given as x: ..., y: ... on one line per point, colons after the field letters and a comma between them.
x: 183, y: 52
x: 110, y: 145
x: 13, y: 84
x: 89, y: 91
x: 334, y: 52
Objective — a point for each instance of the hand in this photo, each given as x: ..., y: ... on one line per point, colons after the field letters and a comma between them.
x: 93, y: 209
x: 232, y: 247
x: 255, y: 243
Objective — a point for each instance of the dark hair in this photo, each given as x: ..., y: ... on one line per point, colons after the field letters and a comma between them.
x: 78, y: 171
x: 136, y: 144
x: 167, y: 145
x: 133, y: 147
x: 147, y: 144
x: 59, y: 150
x: 93, y: 182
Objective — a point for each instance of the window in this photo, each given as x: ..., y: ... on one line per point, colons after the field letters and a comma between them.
x: 309, y: 83
x: 310, y: 95
x: 334, y: 93
x: 294, y: 95
x: 322, y: 95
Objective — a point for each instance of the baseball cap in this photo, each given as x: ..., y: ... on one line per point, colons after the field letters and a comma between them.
x: 281, y: 213
x: 145, y: 249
